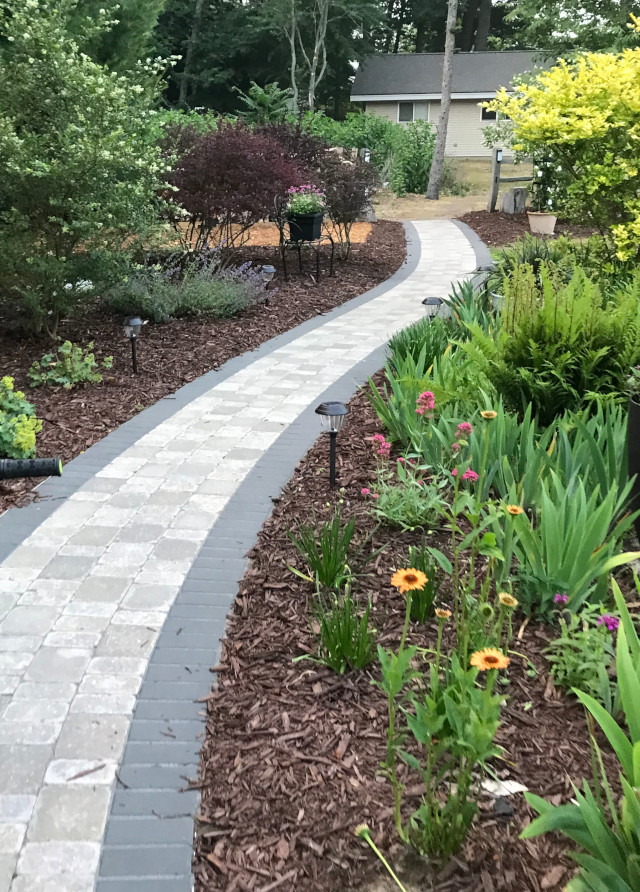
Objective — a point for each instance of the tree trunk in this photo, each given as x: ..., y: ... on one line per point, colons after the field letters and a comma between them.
x: 396, y: 44
x: 191, y: 45
x: 389, y: 19
x: 435, y: 175
x: 421, y: 36
x: 317, y: 66
x: 484, y: 26
x: 468, y: 26
x: 291, y: 37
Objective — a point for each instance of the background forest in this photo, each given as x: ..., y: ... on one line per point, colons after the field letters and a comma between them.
x: 224, y: 45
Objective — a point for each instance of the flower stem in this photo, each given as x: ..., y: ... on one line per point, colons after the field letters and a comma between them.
x: 366, y: 836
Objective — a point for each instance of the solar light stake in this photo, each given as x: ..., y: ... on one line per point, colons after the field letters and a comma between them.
x: 332, y: 415
x: 268, y: 272
x: 433, y: 305
x: 132, y: 330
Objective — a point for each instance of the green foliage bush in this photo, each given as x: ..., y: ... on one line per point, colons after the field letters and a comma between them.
x: 69, y: 365
x: 18, y: 423
x: 80, y: 159
x: 359, y: 130
x: 412, y: 156
x: 561, y: 346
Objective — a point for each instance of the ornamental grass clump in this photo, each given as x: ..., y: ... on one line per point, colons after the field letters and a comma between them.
x: 325, y: 550
x: 345, y: 638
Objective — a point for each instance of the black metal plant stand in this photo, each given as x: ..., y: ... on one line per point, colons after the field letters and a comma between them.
x: 316, y: 245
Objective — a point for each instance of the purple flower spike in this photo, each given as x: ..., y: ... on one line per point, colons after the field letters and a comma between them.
x: 560, y: 599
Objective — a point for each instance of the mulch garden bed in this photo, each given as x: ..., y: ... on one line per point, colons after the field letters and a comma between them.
x: 173, y: 354
x: 290, y: 761
x: 497, y: 229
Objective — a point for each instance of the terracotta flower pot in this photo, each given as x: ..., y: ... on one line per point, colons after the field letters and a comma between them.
x: 542, y: 223
x: 633, y: 458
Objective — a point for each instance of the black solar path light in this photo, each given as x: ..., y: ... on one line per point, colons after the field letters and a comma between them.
x: 332, y: 415
x: 132, y: 330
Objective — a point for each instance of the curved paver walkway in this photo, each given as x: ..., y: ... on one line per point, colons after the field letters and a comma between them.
x: 147, y: 532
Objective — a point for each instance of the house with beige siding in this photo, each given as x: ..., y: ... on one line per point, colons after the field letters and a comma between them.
x: 404, y: 87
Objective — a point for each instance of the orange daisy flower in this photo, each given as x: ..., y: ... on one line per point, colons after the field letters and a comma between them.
x: 515, y: 510
x: 489, y: 414
x: 441, y: 613
x: 489, y: 658
x: 409, y: 580
x: 507, y: 600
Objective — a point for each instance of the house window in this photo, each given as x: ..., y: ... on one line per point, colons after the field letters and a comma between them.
x: 487, y: 115
x: 405, y: 112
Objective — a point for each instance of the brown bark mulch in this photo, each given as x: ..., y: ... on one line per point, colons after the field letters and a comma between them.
x: 497, y: 229
x: 175, y: 353
x: 290, y: 762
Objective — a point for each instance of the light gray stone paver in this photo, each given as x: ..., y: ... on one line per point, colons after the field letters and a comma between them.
x: 83, y: 598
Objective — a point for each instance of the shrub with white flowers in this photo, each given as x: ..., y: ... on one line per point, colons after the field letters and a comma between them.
x: 81, y: 166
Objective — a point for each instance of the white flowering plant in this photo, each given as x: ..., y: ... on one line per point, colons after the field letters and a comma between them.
x: 81, y: 161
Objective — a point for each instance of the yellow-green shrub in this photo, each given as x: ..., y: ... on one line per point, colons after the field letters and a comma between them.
x: 18, y: 422
x: 584, y: 117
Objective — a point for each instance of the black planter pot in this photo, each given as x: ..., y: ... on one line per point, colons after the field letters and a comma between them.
x: 633, y: 458
x: 305, y: 227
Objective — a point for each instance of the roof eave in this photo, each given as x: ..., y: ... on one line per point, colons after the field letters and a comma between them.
x: 416, y: 97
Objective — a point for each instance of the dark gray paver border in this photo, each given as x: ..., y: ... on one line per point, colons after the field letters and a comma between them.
x: 482, y: 251
x: 17, y: 524
x: 148, y: 841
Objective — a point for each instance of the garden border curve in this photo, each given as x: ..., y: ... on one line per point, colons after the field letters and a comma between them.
x: 148, y: 839
x: 17, y: 524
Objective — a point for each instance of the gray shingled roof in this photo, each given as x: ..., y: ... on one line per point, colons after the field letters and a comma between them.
x: 421, y: 73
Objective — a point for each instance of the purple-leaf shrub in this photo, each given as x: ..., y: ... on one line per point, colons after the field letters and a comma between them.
x: 225, y: 180
x: 349, y: 187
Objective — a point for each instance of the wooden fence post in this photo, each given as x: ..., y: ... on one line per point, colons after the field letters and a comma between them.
x: 495, y: 180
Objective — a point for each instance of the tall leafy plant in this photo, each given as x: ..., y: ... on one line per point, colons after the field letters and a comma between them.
x: 570, y: 545
x: 607, y: 831
x: 80, y: 159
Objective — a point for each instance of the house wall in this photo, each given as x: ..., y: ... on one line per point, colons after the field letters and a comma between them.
x: 464, y: 134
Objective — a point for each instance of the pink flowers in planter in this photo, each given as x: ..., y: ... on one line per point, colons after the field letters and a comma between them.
x: 425, y: 404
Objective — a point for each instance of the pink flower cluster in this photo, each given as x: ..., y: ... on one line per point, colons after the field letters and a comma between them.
x: 560, y: 599
x: 610, y: 622
x: 463, y: 430
x: 307, y: 189
x: 381, y: 446
x: 468, y: 475
x: 425, y: 404
x: 367, y: 492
